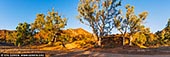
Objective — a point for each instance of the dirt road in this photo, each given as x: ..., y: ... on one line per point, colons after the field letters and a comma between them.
x: 116, y: 52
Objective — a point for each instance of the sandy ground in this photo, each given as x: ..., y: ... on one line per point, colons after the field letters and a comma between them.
x: 93, y: 52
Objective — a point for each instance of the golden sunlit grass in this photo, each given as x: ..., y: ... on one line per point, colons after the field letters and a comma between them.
x: 52, y: 48
x: 81, y: 44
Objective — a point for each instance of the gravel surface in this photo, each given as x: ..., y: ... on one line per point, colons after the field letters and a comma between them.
x: 93, y: 52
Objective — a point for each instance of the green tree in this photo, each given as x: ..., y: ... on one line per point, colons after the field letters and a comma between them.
x: 130, y: 24
x: 38, y: 25
x: 98, y: 14
x: 54, y: 23
x: 164, y: 35
x: 167, y: 33
x: 151, y: 39
x: 139, y: 39
x: 160, y: 37
x: 48, y: 26
x: 23, y: 34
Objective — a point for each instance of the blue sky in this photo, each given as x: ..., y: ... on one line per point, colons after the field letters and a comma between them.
x: 13, y: 12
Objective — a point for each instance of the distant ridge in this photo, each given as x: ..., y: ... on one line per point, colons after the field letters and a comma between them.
x: 3, y: 33
x: 77, y: 32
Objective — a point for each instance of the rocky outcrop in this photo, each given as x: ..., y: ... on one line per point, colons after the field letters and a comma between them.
x: 3, y: 34
x: 78, y: 33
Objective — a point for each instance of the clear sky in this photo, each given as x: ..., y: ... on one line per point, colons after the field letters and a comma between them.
x: 13, y: 12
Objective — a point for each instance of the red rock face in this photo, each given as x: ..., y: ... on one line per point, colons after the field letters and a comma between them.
x: 3, y: 34
x: 77, y: 33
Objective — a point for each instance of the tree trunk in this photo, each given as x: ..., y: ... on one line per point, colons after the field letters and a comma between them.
x: 62, y: 43
x: 130, y: 42
x: 95, y: 37
x: 99, y: 41
x: 124, y: 38
x: 124, y: 41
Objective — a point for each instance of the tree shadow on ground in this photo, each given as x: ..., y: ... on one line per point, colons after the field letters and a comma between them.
x: 91, y: 52
x: 147, y: 51
x: 108, y: 52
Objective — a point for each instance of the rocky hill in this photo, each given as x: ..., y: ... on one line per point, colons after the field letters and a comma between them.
x: 78, y: 33
x: 4, y: 32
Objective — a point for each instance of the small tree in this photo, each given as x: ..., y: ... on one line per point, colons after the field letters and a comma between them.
x: 98, y: 14
x: 23, y: 34
x: 160, y: 36
x: 130, y: 24
x: 151, y: 39
x: 54, y: 24
x: 167, y: 31
x: 164, y: 35
x: 139, y: 39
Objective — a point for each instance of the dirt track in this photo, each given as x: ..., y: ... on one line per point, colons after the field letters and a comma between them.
x: 78, y: 53
x: 94, y: 52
